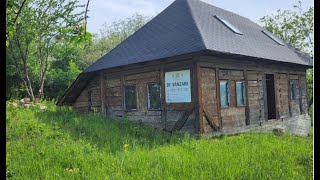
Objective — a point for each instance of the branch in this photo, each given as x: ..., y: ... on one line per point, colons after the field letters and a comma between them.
x: 18, y: 13
x: 85, y: 18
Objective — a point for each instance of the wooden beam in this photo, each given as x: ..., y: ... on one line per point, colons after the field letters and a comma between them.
x: 182, y: 120
x: 265, y: 97
x: 210, y: 120
x: 300, y: 95
x: 245, y: 73
x: 102, y: 94
x: 218, y: 97
x: 289, y: 95
x: 122, y: 92
x: 163, y: 98
x: 199, y: 94
x: 276, y: 94
x: 195, y: 96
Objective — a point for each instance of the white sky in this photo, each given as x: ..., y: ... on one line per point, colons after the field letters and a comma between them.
x: 107, y: 11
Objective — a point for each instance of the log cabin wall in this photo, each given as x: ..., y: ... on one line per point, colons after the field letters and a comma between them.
x: 254, y: 75
x: 205, y: 75
x: 255, y: 97
x: 90, y: 98
x: 233, y: 115
x: 209, y: 98
x: 172, y: 116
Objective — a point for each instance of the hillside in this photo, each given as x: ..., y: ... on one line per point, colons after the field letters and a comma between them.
x: 60, y: 144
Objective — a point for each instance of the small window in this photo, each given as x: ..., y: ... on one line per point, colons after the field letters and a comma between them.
x: 270, y: 35
x: 154, y: 96
x: 293, y: 89
x: 240, y: 90
x: 229, y: 25
x: 224, y: 94
x: 130, y: 98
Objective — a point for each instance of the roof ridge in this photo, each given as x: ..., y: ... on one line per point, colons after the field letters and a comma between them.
x: 197, y: 24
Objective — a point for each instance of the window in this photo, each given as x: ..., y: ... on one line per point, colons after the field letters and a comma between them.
x: 293, y: 89
x: 229, y: 25
x: 154, y: 96
x: 224, y: 93
x: 270, y: 35
x: 240, y: 93
x: 130, y: 98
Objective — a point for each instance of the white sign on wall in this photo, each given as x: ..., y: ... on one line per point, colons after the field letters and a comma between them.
x: 177, y: 86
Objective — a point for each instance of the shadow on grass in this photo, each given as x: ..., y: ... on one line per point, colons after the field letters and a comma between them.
x: 107, y: 134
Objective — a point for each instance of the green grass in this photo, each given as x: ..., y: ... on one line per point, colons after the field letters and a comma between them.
x: 61, y: 144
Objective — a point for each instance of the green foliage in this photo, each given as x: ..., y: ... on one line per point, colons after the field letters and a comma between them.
x: 71, y: 45
x: 58, y: 80
x: 61, y: 144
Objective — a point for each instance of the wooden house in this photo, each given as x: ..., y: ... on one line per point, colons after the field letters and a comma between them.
x: 198, y: 68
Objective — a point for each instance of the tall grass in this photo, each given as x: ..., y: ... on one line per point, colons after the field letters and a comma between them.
x: 61, y: 144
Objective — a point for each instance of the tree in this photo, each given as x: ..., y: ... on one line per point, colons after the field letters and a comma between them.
x: 296, y: 28
x: 111, y: 36
x: 42, y: 24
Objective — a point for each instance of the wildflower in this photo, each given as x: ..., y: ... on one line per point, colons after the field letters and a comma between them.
x: 125, y: 146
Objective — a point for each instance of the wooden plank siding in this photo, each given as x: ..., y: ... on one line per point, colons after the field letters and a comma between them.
x: 204, y: 114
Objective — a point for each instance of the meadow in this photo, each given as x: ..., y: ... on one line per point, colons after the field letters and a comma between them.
x: 61, y: 144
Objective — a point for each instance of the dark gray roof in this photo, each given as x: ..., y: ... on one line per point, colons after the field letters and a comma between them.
x: 188, y: 26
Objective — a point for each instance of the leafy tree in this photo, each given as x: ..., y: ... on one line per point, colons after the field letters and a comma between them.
x: 296, y: 28
x: 42, y: 24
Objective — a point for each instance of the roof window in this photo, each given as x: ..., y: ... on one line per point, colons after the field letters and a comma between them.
x: 229, y: 25
x: 270, y: 35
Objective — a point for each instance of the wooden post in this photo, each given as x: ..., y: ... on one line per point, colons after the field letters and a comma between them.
x: 122, y: 93
x: 247, y: 101
x: 276, y: 94
x: 265, y: 99
x: 218, y: 98
x: 163, y: 98
x: 102, y: 94
x: 300, y: 94
x: 307, y: 100
x: 199, y: 94
x: 289, y: 95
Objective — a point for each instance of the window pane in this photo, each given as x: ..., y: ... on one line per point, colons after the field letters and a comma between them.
x: 240, y: 93
x: 130, y: 98
x: 294, y: 89
x: 154, y: 96
x: 224, y: 94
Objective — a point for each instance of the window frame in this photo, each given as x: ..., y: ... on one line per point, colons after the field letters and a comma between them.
x: 227, y: 95
x: 229, y: 25
x: 124, y: 98
x: 243, y: 93
x: 148, y: 100
x: 293, y: 89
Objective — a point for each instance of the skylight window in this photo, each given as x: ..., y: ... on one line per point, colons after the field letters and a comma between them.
x: 277, y: 40
x: 229, y: 25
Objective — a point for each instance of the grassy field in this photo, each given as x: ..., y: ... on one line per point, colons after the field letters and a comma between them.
x: 61, y: 144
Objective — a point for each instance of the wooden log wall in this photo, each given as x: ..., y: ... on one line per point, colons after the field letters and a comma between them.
x: 255, y: 96
x: 295, y: 104
x: 82, y: 102
x: 304, y: 95
x: 282, y: 91
x: 209, y: 98
x: 232, y: 116
x: 205, y: 74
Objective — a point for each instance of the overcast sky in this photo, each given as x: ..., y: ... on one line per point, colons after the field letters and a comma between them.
x: 107, y: 11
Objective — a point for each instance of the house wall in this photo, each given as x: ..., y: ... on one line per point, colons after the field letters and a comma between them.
x: 206, y: 71
x: 255, y: 112
x: 83, y: 102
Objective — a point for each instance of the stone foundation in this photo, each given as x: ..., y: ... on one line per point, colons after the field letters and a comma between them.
x: 297, y: 125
